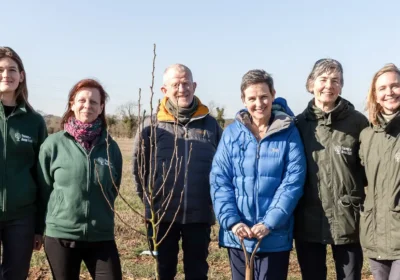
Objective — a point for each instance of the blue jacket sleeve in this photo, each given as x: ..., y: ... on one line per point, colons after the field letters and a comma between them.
x: 290, y: 190
x: 221, y: 187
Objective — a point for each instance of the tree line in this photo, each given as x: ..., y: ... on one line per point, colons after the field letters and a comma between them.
x: 124, y: 123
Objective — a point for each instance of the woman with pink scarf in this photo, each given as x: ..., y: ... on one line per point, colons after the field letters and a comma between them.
x: 80, y: 173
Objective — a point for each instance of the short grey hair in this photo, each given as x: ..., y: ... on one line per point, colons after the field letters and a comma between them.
x: 179, y: 68
x: 256, y: 76
x: 325, y: 65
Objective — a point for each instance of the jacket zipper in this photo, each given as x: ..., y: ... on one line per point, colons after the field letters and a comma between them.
x: 255, y: 221
x: 85, y: 228
x: 4, y: 187
x: 185, y: 128
x: 4, y: 190
x: 185, y: 177
x: 335, y: 198
x: 255, y: 192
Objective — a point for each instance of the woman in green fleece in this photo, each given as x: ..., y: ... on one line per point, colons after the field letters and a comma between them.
x: 22, y: 131
x: 380, y: 154
x: 80, y: 172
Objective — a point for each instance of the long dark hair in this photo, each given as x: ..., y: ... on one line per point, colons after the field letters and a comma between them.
x: 21, y: 93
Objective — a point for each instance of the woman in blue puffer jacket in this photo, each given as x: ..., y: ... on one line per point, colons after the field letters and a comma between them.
x: 257, y: 179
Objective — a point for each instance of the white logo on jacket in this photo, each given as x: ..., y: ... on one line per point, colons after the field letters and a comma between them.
x: 342, y: 150
x: 397, y: 157
x: 103, y: 162
x: 23, y: 138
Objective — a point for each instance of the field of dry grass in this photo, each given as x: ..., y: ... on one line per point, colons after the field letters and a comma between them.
x: 131, y: 244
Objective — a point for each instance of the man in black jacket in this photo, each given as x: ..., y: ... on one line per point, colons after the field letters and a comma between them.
x: 172, y: 159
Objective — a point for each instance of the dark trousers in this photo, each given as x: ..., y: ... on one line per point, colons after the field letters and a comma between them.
x: 195, y: 241
x: 17, y: 239
x: 385, y: 269
x: 267, y: 266
x: 312, y: 260
x: 65, y: 258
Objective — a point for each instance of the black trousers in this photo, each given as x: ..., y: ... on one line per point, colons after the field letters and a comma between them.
x: 312, y: 260
x: 65, y: 258
x: 195, y: 242
x: 267, y: 266
x: 16, y: 238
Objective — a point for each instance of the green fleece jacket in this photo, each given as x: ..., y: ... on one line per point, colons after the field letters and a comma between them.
x: 22, y: 133
x: 77, y: 187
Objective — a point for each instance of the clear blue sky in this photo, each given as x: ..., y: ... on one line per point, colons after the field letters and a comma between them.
x: 62, y: 42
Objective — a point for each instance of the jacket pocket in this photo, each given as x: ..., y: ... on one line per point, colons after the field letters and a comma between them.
x: 394, y: 216
x: 56, y: 205
x: 349, y: 216
x: 367, y: 228
x: 395, y: 200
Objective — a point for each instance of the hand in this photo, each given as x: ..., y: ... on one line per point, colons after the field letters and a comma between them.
x: 259, y: 231
x: 37, y: 242
x: 241, y: 230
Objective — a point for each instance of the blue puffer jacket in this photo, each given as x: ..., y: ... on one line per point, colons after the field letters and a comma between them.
x: 259, y: 182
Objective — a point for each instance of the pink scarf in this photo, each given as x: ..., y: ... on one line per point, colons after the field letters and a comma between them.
x: 84, y: 133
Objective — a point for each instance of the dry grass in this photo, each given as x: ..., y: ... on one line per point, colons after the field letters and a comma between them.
x: 130, y: 244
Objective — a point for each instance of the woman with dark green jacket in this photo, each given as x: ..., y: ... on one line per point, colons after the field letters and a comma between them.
x: 80, y: 172
x: 328, y: 212
x: 380, y: 154
x: 22, y: 131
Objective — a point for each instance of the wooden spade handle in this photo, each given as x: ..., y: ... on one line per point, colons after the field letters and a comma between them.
x: 249, y: 261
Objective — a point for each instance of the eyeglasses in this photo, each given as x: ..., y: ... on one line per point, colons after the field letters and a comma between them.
x: 184, y: 85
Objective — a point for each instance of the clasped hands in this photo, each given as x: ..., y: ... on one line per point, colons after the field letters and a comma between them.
x: 242, y: 231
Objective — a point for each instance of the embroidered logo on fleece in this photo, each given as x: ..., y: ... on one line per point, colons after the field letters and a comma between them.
x: 397, y: 157
x: 343, y: 150
x: 103, y: 162
x: 23, y: 138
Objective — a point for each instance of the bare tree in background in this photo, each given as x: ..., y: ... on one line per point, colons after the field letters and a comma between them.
x: 128, y: 115
x: 148, y: 171
x: 211, y: 106
x: 220, y: 116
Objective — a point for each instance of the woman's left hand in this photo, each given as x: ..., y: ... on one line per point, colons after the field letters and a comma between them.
x: 259, y: 231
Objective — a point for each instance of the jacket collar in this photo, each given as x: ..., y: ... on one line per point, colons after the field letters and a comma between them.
x: 20, y: 109
x: 391, y: 127
x: 102, y: 138
x: 341, y: 111
x: 279, y: 120
x: 164, y: 116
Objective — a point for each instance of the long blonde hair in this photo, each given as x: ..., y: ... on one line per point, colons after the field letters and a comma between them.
x: 373, y: 107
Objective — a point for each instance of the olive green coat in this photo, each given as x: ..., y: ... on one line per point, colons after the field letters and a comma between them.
x: 328, y: 212
x: 380, y: 216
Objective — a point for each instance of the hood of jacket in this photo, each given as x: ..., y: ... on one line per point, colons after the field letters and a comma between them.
x: 341, y: 111
x: 281, y: 116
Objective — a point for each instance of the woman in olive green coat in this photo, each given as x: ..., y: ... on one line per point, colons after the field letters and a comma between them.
x: 328, y: 212
x: 380, y: 154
